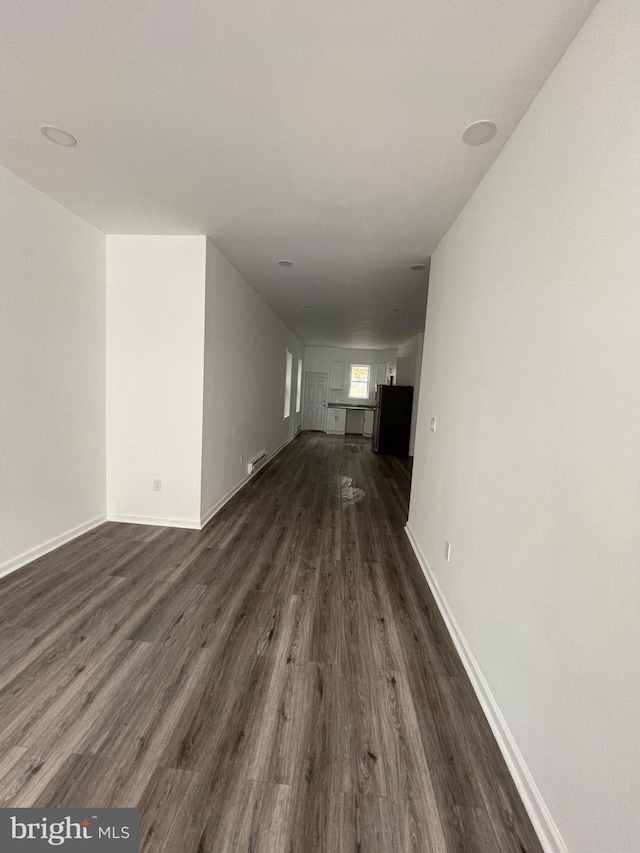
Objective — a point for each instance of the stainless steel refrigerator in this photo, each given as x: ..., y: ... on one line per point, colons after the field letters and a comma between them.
x: 392, y: 419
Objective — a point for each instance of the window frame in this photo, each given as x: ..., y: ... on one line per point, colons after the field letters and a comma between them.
x: 299, y: 388
x: 287, y: 385
x: 366, y: 367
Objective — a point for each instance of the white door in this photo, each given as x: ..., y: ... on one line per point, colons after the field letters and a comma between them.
x: 315, y: 401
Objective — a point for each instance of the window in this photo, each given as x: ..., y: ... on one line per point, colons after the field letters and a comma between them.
x: 359, y: 384
x: 287, y: 386
x: 299, y: 390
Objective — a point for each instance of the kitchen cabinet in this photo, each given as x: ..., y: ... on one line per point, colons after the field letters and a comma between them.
x: 336, y: 420
x: 368, y: 423
x: 381, y: 374
x: 336, y: 376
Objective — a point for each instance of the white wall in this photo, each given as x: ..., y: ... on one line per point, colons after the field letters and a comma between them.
x: 318, y: 360
x: 155, y: 361
x: 409, y: 373
x: 532, y: 367
x: 244, y: 380
x: 52, y: 334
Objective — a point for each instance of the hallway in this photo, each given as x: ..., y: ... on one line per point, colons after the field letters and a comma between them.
x: 280, y: 681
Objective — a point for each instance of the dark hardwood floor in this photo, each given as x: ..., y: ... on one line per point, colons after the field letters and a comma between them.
x: 280, y: 681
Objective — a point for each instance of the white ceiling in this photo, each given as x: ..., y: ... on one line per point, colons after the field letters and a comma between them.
x: 327, y: 132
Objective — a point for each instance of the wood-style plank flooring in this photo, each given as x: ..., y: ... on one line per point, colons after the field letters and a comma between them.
x: 279, y: 682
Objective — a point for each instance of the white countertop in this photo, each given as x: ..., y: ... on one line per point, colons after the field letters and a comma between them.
x: 350, y: 406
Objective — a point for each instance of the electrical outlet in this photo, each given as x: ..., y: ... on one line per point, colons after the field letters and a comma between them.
x: 447, y: 551
x: 157, y: 485
x: 432, y: 426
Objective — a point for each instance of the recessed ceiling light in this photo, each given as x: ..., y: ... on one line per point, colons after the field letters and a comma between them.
x: 417, y: 267
x: 285, y: 263
x: 480, y: 132
x: 305, y: 306
x: 60, y: 137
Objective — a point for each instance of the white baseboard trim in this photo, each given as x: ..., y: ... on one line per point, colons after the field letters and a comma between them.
x: 50, y: 545
x: 207, y: 516
x: 187, y: 523
x: 543, y: 823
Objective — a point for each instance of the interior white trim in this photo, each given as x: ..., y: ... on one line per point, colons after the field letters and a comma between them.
x: 207, y: 516
x: 20, y: 560
x: 155, y: 521
x: 543, y: 823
